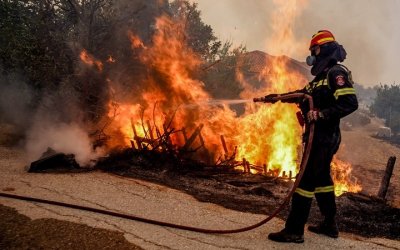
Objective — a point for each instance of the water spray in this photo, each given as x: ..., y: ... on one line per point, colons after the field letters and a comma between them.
x: 217, y: 102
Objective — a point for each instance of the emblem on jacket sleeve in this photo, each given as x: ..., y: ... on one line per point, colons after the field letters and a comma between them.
x: 340, y: 80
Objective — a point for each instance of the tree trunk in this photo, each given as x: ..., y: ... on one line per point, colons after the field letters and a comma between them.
x: 386, y: 177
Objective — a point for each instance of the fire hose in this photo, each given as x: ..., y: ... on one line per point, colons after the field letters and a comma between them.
x: 303, y: 164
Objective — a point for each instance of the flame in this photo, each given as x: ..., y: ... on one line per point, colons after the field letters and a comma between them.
x: 265, y: 134
x: 341, y: 174
x: 90, y: 60
x: 283, y: 22
x: 136, y: 42
x: 270, y: 133
x: 171, y: 86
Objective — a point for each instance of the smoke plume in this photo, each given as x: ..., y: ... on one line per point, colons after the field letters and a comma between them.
x: 61, y: 137
x: 367, y: 29
x: 53, y: 121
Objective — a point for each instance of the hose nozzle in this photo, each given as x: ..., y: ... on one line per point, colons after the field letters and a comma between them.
x: 259, y: 99
x: 271, y: 98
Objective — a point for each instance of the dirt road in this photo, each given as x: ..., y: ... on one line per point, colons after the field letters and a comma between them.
x: 149, y: 200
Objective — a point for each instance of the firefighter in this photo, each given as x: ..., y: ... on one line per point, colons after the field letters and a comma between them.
x: 334, y: 98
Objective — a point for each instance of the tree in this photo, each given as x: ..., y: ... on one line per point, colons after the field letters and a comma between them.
x: 199, y: 36
x: 32, y: 41
x: 387, y: 106
x: 365, y: 95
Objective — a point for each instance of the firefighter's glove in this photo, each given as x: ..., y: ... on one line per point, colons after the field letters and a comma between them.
x: 271, y: 98
x: 314, y: 115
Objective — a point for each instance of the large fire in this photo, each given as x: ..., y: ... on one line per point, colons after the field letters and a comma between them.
x: 265, y: 135
x: 271, y: 133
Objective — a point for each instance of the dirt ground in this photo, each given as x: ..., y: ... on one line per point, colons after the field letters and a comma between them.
x: 20, y: 232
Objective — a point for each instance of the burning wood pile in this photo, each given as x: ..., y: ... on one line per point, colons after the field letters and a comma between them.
x: 194, y: 144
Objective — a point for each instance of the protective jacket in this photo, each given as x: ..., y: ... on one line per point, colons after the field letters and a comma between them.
x: 334, y: 97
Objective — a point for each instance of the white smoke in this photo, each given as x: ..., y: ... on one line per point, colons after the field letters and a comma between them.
x: 61, y: 137
x: 53, y: 123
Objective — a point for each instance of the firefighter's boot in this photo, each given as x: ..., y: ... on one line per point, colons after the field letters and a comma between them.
x: 284, y: 236
x: 327, y: 227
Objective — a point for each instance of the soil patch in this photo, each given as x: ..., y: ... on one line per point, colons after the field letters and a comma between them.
x: 20, y: 232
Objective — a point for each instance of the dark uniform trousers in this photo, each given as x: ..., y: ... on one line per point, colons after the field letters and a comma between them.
x: 316, y: 181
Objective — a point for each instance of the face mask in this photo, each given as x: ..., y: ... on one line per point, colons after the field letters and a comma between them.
x: 310, y: 60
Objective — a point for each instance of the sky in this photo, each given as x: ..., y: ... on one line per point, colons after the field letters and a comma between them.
x: 368, y: 29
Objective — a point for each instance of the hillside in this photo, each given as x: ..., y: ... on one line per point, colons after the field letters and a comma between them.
x: 369, y: 156
x: 258, y: 60
x: 221, y: 78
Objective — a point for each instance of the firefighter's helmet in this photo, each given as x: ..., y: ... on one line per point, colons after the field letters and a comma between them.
x: 321, y: 37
